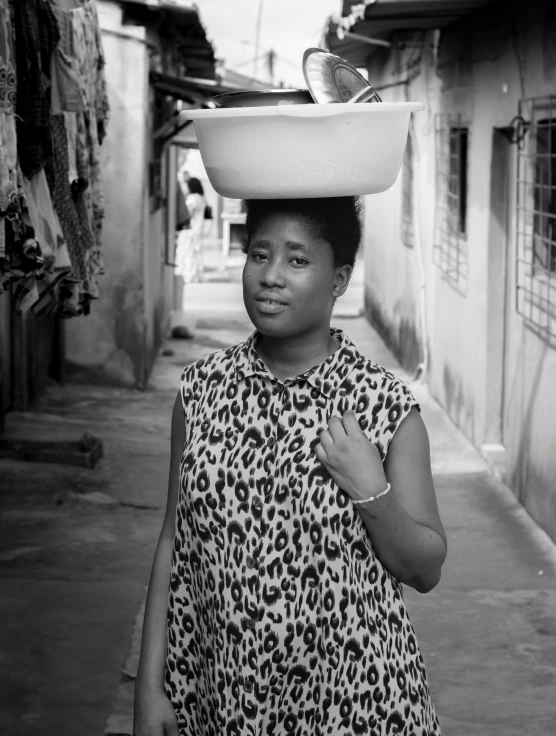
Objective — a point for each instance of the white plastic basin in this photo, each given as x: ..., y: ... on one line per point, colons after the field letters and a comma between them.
x: 303, y: 150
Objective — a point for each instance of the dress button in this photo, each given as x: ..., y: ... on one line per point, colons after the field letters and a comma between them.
x: 251, y: 562
x: 250, y: 624
x: 248, y: 685
x: 257, y: 501
x: 271, y: 441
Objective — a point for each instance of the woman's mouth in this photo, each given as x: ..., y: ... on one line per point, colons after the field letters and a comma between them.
x: 269, y: 306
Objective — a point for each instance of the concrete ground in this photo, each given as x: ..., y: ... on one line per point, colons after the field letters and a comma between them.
x: 76, y: 547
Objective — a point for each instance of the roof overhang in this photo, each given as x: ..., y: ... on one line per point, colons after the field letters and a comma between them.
x: 191, y: 90
x: 379, y: 19
x: 178, y: 28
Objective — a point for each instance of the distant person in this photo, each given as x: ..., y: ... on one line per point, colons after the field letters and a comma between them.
x: 300, y: 499
x: 189, y: 248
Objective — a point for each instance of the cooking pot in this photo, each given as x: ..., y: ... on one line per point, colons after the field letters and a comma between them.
x: 264, y: 97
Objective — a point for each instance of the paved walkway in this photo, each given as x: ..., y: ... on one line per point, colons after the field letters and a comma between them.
x: 76, y: 548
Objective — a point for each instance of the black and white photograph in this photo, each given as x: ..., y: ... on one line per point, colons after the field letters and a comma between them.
x: 277, y: 367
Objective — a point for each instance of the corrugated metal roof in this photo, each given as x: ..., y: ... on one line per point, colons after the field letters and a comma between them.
x: 382, y: 17
x: 394, y: 15
x: 179, y: 29
x: 191, y: 90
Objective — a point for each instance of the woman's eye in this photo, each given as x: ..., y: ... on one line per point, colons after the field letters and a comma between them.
x: 301, y: 261
x: 257, y: 256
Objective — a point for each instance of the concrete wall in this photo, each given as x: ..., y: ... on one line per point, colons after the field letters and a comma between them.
x: 116, y: 341
x: 393, y: 271
x: 492, y: 373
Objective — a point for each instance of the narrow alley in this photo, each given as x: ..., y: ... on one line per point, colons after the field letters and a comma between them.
x: 404, y: 152
x: 77, y: 545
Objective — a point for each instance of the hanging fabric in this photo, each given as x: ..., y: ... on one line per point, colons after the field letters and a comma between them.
x: 53, y: 116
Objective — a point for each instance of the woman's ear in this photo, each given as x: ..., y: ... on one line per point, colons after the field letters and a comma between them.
x: 341, y: 280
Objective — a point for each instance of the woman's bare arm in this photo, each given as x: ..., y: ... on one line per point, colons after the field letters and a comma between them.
x: 150, y: 702
x: 405, y: 525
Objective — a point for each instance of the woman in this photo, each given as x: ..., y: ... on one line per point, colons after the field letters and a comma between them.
x: 300, y: 498
x: 189, y: 255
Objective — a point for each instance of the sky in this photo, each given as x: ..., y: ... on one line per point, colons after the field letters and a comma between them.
x: 288, y: 26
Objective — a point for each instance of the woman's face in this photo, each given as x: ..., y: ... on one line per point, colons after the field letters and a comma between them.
x: 289, y: 277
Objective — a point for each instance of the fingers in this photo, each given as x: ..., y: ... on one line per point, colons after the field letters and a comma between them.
x: 334, y: 437
x: 320, y: 448
x: 350, y: 423
x: 336, y: 429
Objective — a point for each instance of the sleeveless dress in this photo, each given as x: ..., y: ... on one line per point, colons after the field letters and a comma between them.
x: 281, y: 619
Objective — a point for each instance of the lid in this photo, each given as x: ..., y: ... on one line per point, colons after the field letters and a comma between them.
x: 331, y: 79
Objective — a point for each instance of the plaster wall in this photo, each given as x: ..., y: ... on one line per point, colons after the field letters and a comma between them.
x: 392, y: 267
x: 109, y: 343
x: 488, y: 368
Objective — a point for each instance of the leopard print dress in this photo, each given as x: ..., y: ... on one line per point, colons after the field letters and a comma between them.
x: 281, y: 619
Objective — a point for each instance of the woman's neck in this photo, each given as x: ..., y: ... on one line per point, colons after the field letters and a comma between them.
x: 291, y: 356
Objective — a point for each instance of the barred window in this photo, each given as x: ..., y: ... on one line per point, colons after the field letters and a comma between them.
x: 450, y: 244
x: 536, y: 215
x: 407, y: 195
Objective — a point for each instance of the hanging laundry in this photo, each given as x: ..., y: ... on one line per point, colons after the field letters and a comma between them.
x: 92, y: 126
x: 73, y: 220
x: 53, y: 115
x: 81, y: 41
x: 8, y: 144
x: 23, y: 260
x: 8, y: 161
x: 36, y: 36
x: 67, y: 94
x: 46, y: 226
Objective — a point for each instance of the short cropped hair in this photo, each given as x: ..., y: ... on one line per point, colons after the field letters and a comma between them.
x: 335, y: 219
x: 195, y: 186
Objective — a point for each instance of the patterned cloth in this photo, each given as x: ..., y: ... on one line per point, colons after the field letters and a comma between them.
x: 8, y: 81
x: 50, y: 234
x: 8, y: 140
x: 67, y: 92
x: 281, y: 618
x: 91, y: 125
x: 79, y: 96
x: 75, y: 226
x: 37, y: 36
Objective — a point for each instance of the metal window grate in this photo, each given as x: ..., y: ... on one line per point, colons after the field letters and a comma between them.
x: 536, y: 216
x: 450, y: 237
x: 407, y: 234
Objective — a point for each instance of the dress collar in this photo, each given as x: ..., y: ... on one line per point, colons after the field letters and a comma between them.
x: 326, y: 377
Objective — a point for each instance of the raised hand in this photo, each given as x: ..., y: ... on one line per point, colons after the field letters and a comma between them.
x: 353, y: 462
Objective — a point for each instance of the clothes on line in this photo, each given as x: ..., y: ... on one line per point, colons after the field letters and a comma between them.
x: 53, y: 117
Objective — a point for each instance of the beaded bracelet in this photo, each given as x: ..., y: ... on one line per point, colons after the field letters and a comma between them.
x: 378, y: 495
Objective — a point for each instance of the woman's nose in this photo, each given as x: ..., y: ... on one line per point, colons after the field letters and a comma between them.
x: 273, y: 273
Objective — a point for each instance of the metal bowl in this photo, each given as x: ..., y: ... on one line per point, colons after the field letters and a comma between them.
x: 264, y: 98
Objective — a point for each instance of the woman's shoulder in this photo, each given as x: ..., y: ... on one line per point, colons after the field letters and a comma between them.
x: 215, y: 366
x: 378, y: 378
